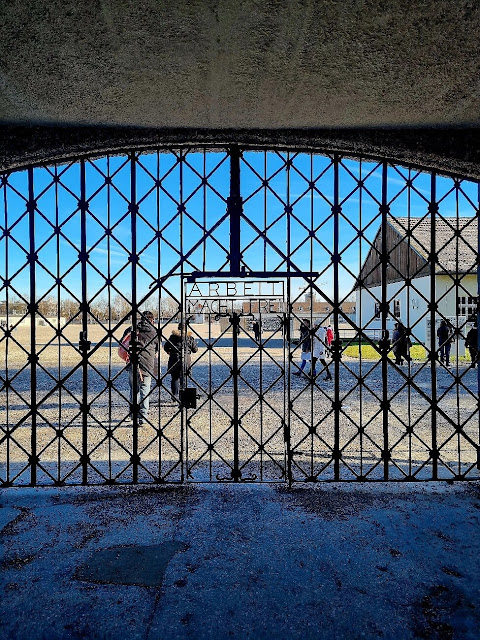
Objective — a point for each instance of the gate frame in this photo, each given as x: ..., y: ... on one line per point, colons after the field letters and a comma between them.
x: 234, y: 212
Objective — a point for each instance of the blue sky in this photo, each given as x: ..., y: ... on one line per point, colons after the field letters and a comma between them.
x: 201, y: 185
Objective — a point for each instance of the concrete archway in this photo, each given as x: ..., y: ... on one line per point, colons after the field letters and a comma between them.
x: 391, y: 81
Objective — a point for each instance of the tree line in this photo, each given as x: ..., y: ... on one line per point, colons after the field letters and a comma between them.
x: 101, y: 308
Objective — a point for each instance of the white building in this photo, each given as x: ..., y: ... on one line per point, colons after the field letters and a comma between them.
x: 408, y: 274
x: 26, y: 321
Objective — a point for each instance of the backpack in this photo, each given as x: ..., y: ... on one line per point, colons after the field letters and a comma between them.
x: 123, y: 348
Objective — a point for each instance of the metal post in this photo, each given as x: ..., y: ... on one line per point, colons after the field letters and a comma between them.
x: 133, y: 208
x: 7, y: 338
x: 287, y: 360
x: 286, y: 372
x: 32, y: 257
x: 234, y: 205
x: 184, y: 422
x: 83, y: 338
x: 336, y: 209
x: 478, y: 323
x: 433, y: 210
x: 236, y: 473
x: 384, y: 210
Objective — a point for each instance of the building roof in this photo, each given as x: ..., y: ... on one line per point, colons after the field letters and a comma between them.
x: 348, y: 306
x: 455, y: 253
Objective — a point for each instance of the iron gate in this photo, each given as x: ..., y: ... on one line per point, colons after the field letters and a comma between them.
x: 361, y: 246
x: 237, y: 430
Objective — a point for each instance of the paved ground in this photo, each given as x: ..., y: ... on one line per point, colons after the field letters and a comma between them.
x: 248, y: 561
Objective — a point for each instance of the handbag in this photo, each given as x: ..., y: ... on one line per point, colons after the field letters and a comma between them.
x: 123, y: 348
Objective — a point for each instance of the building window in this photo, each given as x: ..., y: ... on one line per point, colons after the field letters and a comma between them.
x: 467, y: 306
x: 396, y: 308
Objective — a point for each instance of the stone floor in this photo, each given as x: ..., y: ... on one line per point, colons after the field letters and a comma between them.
x: 241, y: 561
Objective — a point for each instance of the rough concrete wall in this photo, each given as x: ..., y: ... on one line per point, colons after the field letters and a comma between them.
x: 316, y: 74
x: 234, y: 64
x: 452, y: 151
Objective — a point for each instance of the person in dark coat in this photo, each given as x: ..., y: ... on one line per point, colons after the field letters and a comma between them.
x: 471, y: 342
x: 445, y: 338
x: 385, y: 343
x: 256, y: 330
x: 180, y: 343
x: 401, y: 344
x: 147, y: 341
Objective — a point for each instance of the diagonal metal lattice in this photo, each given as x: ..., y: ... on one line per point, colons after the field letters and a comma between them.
x: 359, y: 246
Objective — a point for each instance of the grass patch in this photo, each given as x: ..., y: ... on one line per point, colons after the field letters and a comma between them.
x: 417, y: 352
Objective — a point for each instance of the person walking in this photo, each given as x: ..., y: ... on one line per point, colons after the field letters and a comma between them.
x: 401, y: 344
x: 319, y: 349
x: 396, y: 337
x: 329, y: 337
x: 256, y: 330
x: 445, y: 338
x: 180, y: 344
x: 305, y: 341
x: 471, y: 342
x: 147, y: 343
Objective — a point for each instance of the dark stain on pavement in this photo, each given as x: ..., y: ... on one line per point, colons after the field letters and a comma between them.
x: 174, y: 493
x: 329, y: 505
x: 16, y: 562
x: 14, y: 527
x: 444, y: 613
x: 142, y: 566
x: 144, y: 502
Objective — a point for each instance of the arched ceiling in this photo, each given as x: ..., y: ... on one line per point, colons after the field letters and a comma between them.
x: 400, y: 79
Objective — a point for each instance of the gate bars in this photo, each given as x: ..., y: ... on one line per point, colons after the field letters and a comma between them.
x: 364, y: 245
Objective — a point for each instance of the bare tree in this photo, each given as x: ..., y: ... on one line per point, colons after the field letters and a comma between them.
x: 151, y: 304
x: 69, y: 308
x: 121, y: 308
x: 16, y: 306
x: 99, y: 308
x: 47, y: 307
x: 168, y: 307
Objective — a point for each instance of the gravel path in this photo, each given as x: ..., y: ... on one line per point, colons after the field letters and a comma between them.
x: 267, y: 402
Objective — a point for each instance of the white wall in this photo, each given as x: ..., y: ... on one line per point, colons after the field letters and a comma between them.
x: 26, y: 321
x: 448, y: 304
x: 412, y: 305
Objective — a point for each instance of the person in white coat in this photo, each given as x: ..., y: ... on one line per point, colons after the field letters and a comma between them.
x: 319, y: 350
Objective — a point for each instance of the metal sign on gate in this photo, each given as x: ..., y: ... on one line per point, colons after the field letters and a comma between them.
x: 226, y: 296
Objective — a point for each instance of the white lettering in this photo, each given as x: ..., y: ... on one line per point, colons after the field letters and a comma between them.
x: 197, y: 291
x: 247, y: 288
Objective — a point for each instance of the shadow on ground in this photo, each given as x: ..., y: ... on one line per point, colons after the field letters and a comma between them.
x: 224, y: 561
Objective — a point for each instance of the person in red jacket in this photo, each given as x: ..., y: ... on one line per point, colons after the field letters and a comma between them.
x: 329, y: 336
